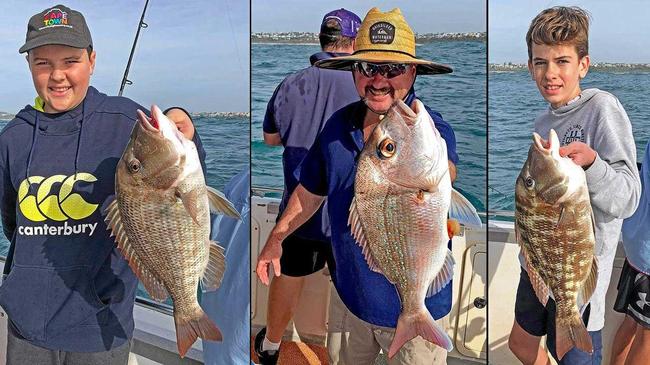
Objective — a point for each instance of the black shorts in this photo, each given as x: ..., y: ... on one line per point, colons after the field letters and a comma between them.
x: 633, y: 296
x: 538, y: 320
x: 301, y: 257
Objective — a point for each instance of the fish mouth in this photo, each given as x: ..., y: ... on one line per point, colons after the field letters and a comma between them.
x: 149, y: 124
x: 548, y: 147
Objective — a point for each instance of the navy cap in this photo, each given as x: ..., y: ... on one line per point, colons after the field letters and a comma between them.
x: 57, y: 25
x: 348, y: 22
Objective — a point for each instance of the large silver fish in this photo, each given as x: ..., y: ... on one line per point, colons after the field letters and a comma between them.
x: 161, y: 222
x: 555, y: 228
x: 402, y: 194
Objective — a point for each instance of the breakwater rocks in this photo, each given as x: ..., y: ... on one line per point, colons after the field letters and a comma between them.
x: 312, y: 38
x: 597, y: 66
x: 221, y: 115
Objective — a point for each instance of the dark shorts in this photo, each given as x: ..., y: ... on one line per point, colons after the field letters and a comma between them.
x: 538, y: 320
x: 301, y: 257
x: 633, y: 296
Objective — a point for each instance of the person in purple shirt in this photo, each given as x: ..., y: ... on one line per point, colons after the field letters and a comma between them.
x: 384, y: 68
x: 296, y: 113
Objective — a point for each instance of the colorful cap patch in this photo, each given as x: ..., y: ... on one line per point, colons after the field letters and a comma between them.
x: 55, y: 18
x: 382, y: 33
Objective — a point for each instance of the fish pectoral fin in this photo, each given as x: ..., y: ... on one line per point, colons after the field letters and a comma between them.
x: 356, y: 227
x: 463, y: 211
x: 539, y: 286
x: 589, y: 285
x: 154, y: 287
x: 219, y: 204
x: 191, y: 201
x: 444, y: 276
x: 216, y: 267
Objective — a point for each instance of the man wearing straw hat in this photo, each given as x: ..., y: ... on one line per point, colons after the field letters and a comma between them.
x: 384, y: 67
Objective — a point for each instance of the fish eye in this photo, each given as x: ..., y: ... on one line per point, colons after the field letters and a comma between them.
x: 134, y: 166
x: 530, y: 183
x: 386, y: 148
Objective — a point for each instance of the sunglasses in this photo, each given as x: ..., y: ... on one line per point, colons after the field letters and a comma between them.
x: 388, y: 70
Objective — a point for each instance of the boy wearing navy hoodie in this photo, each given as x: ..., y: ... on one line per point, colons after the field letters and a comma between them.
x: 69, y: 294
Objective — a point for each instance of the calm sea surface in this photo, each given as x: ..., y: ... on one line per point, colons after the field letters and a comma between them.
x: 514, y: 102
x: 459, y: 97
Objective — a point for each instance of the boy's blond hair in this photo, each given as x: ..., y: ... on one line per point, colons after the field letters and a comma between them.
x: 560, y: 25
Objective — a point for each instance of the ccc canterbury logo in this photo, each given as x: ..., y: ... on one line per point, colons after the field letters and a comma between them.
x: 58, y: 207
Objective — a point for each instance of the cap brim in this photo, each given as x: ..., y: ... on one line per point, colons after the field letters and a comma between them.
x: 345, y: 63
x: 44, y: 41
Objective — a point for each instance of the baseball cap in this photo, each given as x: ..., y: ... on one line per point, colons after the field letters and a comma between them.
x: 385, y: 37
x: 57, y: 25
x: 348, y: 23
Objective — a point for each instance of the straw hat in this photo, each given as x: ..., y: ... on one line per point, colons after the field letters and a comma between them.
x: 385, y: 38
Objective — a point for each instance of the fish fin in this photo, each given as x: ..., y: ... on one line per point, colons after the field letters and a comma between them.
x: 356, y: 227
x: 444, y: 276
x: 216, y: 266
x: 536, y: 281
x: 154, y: 287
x: 188, y: 329
x: 463, y: 211
x: 219, y: 204
x: 572, y: 335
x: 408, y: 327
x: 191, y: 201
x: 590, y: 284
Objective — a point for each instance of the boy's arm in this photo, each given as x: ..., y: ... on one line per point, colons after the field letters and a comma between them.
x: 613, y: 177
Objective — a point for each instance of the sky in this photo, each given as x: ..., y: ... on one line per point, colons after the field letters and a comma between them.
x: 194, y: 54
x: 431, y: 16
x: 618, y: 33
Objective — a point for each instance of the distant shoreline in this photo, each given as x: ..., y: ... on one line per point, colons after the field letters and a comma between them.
x: 598, y: 66
x: 226, y: 115
x: 309, y: 38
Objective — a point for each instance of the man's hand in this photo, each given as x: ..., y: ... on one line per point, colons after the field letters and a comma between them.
x: 453, y: 228
x: 182, y: 121
x: 580, y: 153
x: 270, y: 255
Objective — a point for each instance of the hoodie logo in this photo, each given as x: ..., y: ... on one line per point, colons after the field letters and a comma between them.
x: 573, y: 134
x: 60, y: 207
x: 55, y: 17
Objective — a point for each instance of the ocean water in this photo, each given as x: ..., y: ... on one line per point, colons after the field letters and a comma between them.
x: 227, y: 153
x: 514, y: 102
x: 459, y: 97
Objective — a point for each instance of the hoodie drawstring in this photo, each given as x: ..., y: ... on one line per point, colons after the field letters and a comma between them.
x: 81, y: 125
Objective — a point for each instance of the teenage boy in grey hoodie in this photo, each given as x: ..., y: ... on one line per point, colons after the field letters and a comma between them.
x: 595, y: 133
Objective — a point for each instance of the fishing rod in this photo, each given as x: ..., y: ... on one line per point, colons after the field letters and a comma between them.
x: 141, y: 25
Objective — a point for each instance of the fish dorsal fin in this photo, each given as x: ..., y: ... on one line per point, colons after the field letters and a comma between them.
x: 589, y: 285
x: 541, y: 289
x: 216, y: 267
x: 444, y: 276
x: 463, y: 211
x: 357, y: 232
x: 219, y: 204
x: 154, y: 287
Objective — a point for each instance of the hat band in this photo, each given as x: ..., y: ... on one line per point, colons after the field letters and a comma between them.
x: 382, y: 50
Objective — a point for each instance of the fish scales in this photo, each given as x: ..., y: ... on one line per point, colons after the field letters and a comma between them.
x: 402, y: 194
x: 161, y: 221
x: 555, y: 229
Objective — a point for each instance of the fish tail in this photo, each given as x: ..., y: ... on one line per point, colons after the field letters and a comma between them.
x: 189, y: 329
x: 573, y: 334
x: 408, y: 327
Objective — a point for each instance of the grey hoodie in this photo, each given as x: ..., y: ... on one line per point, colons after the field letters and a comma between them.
x: 598, y: 119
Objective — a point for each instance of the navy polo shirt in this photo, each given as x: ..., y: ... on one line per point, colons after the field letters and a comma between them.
x: 329, y: 170
x: 298, y: 110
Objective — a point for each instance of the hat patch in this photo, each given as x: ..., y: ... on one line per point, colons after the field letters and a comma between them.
x: 55, y: 18
x: 382, y: 33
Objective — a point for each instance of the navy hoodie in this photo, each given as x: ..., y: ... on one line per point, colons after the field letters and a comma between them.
x: 69, y: 287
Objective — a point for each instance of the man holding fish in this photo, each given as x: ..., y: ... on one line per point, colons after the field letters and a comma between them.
x: 403, y: 161
x: 69, y: 297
